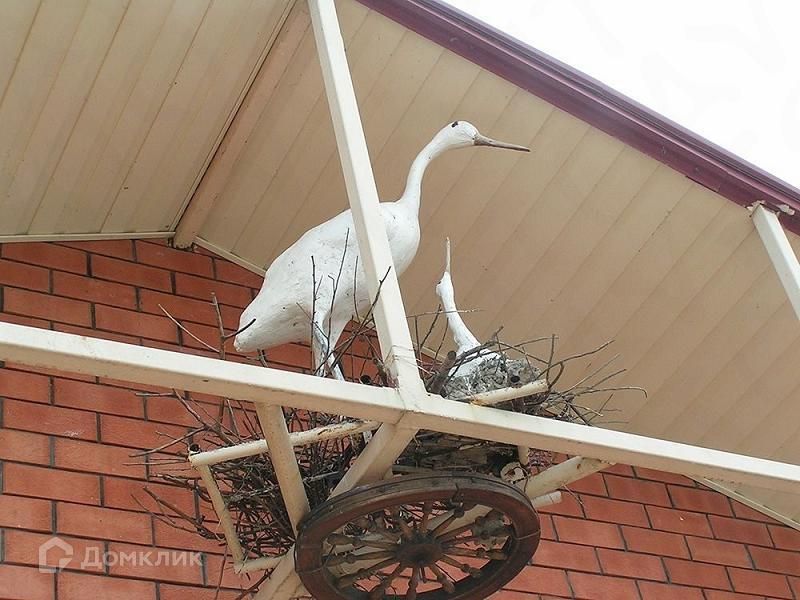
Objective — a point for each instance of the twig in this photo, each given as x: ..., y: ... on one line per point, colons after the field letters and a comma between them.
x: 186, y: 331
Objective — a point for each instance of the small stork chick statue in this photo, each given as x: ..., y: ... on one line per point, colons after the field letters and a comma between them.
x: 317, y: 285
x: 482, y: 370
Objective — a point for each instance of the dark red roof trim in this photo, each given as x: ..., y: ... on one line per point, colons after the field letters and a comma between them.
x: 595, y: 103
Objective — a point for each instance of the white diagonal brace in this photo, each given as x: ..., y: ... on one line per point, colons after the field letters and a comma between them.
x: 377, y: 458
x: 373, y: 245
x: 560, y: 475
x: 780, y: 253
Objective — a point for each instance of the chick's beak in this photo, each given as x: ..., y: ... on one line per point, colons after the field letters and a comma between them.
x: 482, y: 140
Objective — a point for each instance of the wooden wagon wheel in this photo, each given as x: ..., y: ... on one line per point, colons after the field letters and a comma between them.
x: 418, y: 537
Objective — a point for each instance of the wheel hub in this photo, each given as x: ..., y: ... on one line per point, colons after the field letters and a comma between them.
x: 420, y: 552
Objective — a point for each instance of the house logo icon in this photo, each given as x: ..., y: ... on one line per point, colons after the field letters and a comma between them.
x: 50, y: 549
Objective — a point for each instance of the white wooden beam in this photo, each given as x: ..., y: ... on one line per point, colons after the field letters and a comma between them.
x: 284, y: 582
x: 67, y: 352
x: 376, y: 257
x: 562, y: 474
x: 296, y: 438
x: 284, y: 462
x: 276, y: 57
x: 150, y: 366
x: 225, y: 520
x: 780, y: 253
x: 377, y: 458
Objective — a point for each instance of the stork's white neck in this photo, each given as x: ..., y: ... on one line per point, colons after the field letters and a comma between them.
x: 413, y: 192
x: 462, y: 336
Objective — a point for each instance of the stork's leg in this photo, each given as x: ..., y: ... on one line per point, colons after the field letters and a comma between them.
x: 322, y: 349
x: 336, y: 333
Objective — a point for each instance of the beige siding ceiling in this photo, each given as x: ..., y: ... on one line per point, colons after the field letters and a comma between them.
x: 110, y: 109
x: 584, y: 237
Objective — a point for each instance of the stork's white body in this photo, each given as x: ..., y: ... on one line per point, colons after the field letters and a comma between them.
x: 289, y: 309
x: 283, y: 308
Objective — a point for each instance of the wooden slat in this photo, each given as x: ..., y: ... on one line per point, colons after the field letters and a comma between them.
x: 763, y: 431
x: 235, y: 140
x: 266, y: 146
x: 598, y: 274
x: 682, y: 393
x: 67, y: 99
x: 621, y: 312
x: 282, y: 119
x: 530, y: 237
x: 16, y: 19
x: 745, y: 383
x: 580, y: 237
x: 225, y: 52
x: 37, y: 69
x: 313, y: 154
x: 754, y: 334
x: 692, y: 323
x: 122, y: 103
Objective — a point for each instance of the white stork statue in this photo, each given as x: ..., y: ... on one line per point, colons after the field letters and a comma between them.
x: 289, y: 308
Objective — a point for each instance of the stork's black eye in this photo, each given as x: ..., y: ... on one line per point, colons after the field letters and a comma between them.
x: 454, y: 124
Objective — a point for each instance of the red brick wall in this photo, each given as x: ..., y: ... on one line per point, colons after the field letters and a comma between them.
x: 66, y: 441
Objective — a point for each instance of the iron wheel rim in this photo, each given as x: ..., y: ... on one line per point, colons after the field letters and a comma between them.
x: 505, y: 504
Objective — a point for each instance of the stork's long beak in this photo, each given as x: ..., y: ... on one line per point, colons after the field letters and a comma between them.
x: 482, y: 140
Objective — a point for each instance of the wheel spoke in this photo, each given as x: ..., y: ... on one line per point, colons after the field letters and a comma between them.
x: 477, y: 553
x: 351, y: 558
x: 463, y: 567
x: 412, y: 584
x: 443, y: 579
x: 365, y: 572
x: 426, y: 513
x: 378, y: 592
x: 457, y: 514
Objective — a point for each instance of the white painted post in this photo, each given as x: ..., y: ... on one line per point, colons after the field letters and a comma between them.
x: 284, y: 462
x: 228, y: 527
x: 780, y: 253
x: 376, y: 257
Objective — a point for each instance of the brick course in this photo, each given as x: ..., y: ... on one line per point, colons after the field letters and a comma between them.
x: 66, y: 443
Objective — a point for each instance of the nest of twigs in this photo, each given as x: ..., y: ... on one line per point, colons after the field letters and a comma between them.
x: 249, y: 486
